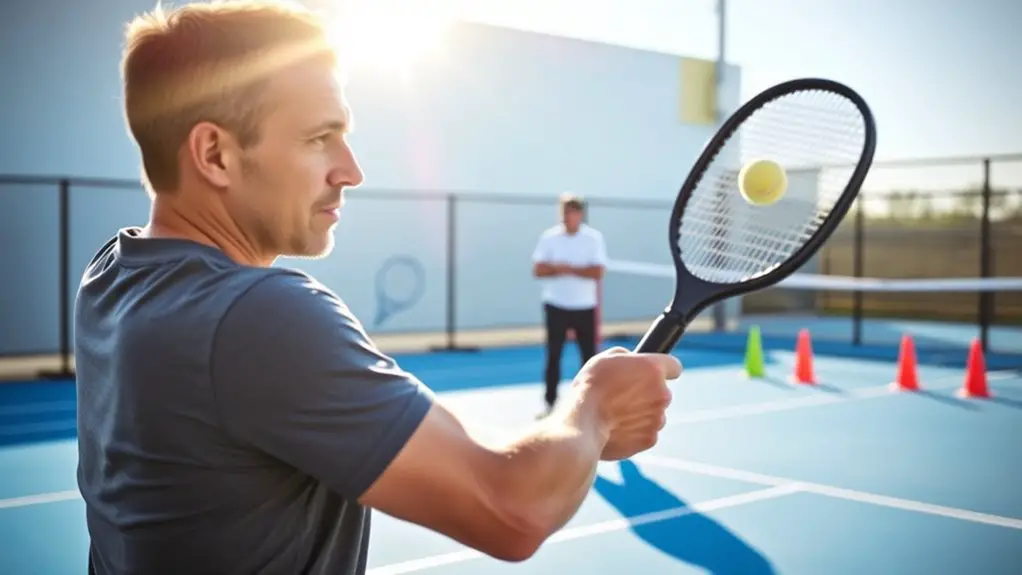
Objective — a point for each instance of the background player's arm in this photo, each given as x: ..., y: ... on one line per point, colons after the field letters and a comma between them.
x: 296, y: 377
x: 596, y: 269
x: 542, y: 264
x: 543, y: 269
x: 591, y: 272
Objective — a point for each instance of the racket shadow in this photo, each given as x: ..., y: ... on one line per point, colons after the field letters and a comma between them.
x: 692, y: 538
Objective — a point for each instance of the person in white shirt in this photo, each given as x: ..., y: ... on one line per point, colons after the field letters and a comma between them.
x: 569, y: 260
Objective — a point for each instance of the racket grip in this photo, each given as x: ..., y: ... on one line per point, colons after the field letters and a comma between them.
x: 663, y: 335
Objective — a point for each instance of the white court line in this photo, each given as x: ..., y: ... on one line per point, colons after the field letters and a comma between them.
x: 602, y: 527
x: 713, y: 414
x: 53, y: 497
x: 758, y: 408
x: 830, y: 491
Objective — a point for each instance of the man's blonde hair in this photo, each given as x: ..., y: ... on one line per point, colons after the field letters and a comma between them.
x: 208, y: 62
x: 571, y: 201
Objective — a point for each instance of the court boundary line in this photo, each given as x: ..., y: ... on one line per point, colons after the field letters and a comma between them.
x: 598, y: 528
x: 40, y: 498
x: 771, y: 406
x: 832, y: 491
x: 773, y: 487
x: 783, y: 486
x: 698, y: 416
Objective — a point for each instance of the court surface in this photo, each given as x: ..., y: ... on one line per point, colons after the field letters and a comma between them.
x: 750, y: 476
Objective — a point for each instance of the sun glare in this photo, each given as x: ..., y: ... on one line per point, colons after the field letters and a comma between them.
x: 394, y: 35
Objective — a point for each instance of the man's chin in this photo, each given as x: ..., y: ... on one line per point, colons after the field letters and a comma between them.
x: 314, y: 250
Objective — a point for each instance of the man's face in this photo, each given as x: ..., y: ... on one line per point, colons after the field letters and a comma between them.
x: 572, y: 219
x: 289, y: 193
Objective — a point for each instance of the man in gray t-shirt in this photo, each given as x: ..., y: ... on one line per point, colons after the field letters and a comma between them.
x: 229, y: 416
x: 233, y: 417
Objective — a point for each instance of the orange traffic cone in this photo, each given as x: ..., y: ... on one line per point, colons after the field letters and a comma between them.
x: 975, y: 384
x: 908, y: 376
x: 803, y: 359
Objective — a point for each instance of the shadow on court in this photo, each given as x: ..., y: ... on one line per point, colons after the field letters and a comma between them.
x: 947, y: 399
x: 930, y: 351
x: 693, y: 538
x: 1005, y: 401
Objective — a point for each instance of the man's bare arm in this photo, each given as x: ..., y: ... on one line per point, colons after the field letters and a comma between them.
x: 591, y: 272
x: 502, y: 500
x: 542, y: 270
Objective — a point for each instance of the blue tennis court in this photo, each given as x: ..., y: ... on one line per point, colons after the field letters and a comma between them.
x: 751, y: 476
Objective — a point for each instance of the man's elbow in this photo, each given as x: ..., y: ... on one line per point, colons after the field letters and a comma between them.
x: 515, y: 529
x: 520, y: 536
x: 514, y: 550
x: 491, y: 523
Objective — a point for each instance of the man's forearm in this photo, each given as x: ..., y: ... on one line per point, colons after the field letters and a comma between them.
x: 548, y: 472
x: 546, y: 270
x: 591, y: 272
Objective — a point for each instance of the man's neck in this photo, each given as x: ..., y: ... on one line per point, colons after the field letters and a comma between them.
x: 168, y: 219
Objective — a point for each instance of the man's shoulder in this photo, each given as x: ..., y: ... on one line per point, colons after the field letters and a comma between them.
x: 296, y: 307
x: 591, y: 232
x: 289, y: 290
x: 551, y: 232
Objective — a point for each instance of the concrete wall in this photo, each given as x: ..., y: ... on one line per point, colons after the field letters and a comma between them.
x: 504, y: 112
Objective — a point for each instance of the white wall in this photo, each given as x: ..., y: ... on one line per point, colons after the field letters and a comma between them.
x: 505, y: 112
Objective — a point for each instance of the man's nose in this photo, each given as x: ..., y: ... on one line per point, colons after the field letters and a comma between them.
x: 346, y: 172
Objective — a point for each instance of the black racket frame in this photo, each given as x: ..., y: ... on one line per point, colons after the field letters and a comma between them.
x: 692, y: 294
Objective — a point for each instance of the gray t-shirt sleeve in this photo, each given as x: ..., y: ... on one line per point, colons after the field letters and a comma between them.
x: 296, y: 376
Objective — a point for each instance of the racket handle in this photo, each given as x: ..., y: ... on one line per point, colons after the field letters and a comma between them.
x: 663, y: 335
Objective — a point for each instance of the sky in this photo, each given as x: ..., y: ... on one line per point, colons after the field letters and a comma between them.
x: 939, y: 74
x: 942, y: 76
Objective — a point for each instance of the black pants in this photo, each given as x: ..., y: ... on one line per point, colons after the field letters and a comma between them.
x: 558, y: 322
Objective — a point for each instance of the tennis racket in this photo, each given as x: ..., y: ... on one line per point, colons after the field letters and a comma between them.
x: 824, y: 135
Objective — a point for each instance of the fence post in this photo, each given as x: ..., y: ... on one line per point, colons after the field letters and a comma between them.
x: 985, y: 262
x: 451, y: 322
x: 64, y: 284
x: 858, y: 260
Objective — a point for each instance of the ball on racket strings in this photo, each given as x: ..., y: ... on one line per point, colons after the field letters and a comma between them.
x: 762, y: 182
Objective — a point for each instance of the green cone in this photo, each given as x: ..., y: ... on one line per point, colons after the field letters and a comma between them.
x: 754, y: 354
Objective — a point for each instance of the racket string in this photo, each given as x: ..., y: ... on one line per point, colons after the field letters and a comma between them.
x: 725, y: 239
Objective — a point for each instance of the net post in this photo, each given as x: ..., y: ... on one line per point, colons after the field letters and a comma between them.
x: 598, y: 320
x: 719, y: 312
x: 64, y: 283
x: 985, y: 263
x: 451, y: 321
x: 857, y: 271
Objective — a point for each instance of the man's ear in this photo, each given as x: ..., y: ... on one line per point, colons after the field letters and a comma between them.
x: 212, y: 151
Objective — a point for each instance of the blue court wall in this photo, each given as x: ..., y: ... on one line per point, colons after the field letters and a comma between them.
x: 505, y: 118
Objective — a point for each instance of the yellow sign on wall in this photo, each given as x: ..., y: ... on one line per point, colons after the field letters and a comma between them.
x: 698, y: 94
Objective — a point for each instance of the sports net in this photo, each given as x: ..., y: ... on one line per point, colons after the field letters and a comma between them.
x: 846, y: 316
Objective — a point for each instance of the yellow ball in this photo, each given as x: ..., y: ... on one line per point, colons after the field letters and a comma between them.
x: 762, y: 182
